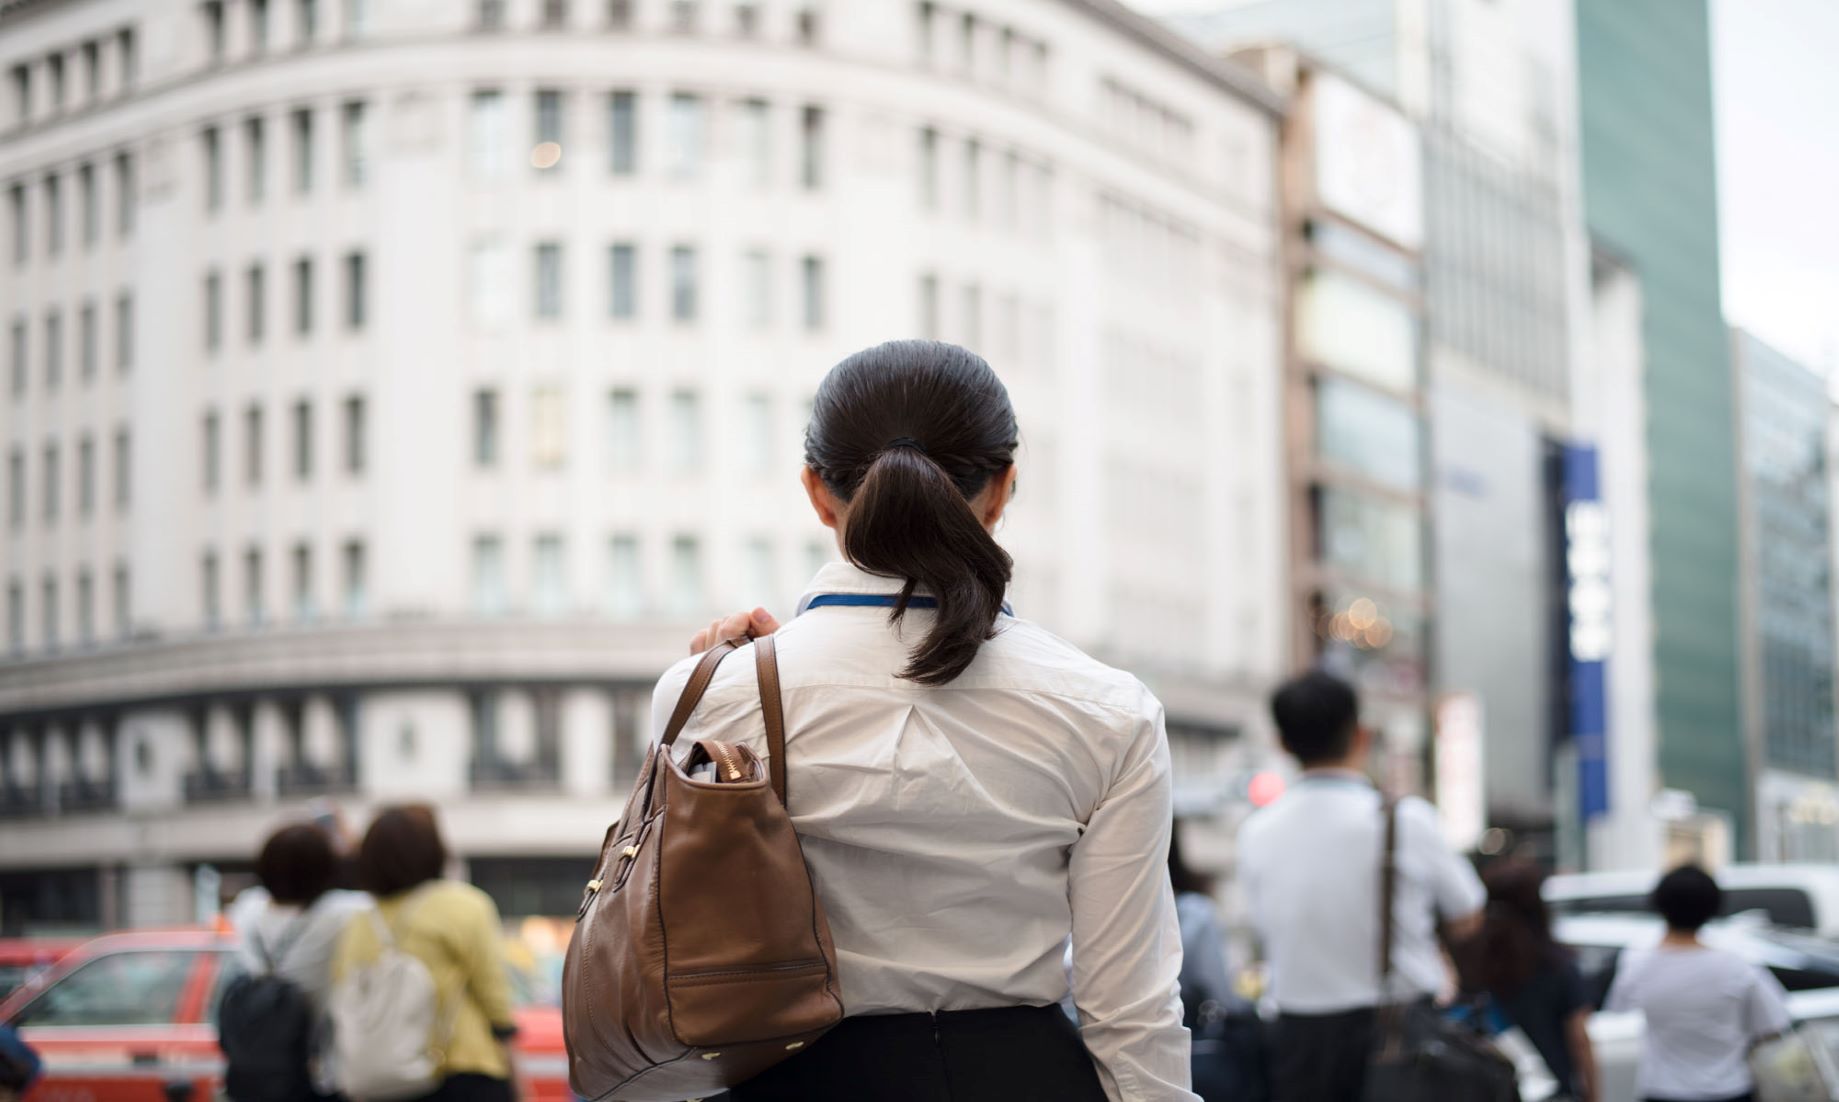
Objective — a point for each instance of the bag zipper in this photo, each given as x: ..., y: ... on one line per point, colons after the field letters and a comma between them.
x: 726, y: 758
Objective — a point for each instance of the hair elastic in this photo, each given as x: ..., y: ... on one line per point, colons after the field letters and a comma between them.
x: 903, y: 442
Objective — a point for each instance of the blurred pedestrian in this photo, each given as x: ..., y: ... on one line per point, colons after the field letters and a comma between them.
x: 271, y: 1020
x: 971, y: 791
x: 452, y: 931
x: 1229, y: 1058
x: 1531, y: 979
x: 19, y: 1065
x: 1310, y: 865
x: 1705, y: 1008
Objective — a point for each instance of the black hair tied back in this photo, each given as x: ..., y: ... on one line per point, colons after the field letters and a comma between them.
x: 907, y: 433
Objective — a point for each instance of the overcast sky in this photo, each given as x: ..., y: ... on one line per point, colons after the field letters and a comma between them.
x: 1778, y: 167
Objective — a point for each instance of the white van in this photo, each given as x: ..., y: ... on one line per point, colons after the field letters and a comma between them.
x: 1799, y: 896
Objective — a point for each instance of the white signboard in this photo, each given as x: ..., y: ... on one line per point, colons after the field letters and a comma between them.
x: 1367, y: 165
x: 1461, y: 788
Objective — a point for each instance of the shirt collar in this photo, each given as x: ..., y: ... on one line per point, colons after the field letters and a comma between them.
x: 1335, y: 776
x: 844, y: 577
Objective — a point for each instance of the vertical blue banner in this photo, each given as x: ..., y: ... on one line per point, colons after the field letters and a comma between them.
x: 1587, y: 573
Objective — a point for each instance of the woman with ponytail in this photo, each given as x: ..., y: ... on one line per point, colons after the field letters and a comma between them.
x: 971, y: 792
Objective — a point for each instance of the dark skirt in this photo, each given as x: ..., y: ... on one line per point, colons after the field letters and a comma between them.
x: 469, y: 1087
x: 1013, y: 1054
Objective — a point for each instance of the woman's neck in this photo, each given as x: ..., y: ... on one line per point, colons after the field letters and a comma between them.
x: 1681, y: 939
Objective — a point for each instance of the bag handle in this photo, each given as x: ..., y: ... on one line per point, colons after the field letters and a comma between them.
x: 1388, y: 890
x: 766, y: 667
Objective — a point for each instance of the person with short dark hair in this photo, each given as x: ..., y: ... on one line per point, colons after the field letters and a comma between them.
x: 1309, y: 865
x: 290, y: 923
x: 451, y: 927
x: 1705, y: 1008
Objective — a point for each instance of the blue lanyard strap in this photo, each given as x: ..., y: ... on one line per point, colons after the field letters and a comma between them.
x: 878, y: 600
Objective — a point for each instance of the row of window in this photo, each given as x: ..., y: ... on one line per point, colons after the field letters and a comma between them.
x: 354, y: 159
x: 493, y: 150
x: 491, y: 299
x: 257, y: 19
x: 89, y: 184
x: 353, y: 299
x: 92, y: 56
x: 90, y: 343
x: 980, y: 48
x: 753, y: 444
x: 353, y: 455
x: 1011, y: 332
x: 1145, y: 121
x: 1020, y: 196
x: 681, y: 17
x: 353, y: 584
x: 51, y: 478
x: 51, y: 624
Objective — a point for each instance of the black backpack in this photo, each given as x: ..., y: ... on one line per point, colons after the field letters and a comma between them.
x: 267, y: 1029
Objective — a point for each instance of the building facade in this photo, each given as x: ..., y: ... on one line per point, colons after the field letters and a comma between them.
x: 1787, y: 602
x: 393, y: 387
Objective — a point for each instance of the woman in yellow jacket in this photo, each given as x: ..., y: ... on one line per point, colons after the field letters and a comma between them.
x: 454, y: 929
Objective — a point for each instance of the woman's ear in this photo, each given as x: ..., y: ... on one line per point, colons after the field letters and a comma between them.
x: 823, y: 502
x: 996, y: 497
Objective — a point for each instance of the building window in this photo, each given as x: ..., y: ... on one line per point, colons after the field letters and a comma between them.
x: 625, y: 578
x: 967, y: 43
x: 123, y: 602
x: 811, y: 148
x: 555, y: 15
x: 303, y: 296
x: 86, y: 477
x: 757, y: 433
x: 683, y: 16
x: 303, y: 440
x: 124, y: 195
x: 15, y: 618
x: 811, y: 279
x: 48, y: 609
x: 747, y: 19
x: 355, y: 139
x: 357, y: 18
x: 760, y: 570
x: 549, y: 428
x: 757, y: 288
x: 54, y: 216
x: 211, y: 445
x: 929, y: 306
x: 685, y: 576
x: 303, y: 582
x: 253, y: 604
x: 22, y: 239
x: 929, y: 169
x: 548, y: 280
x: 306, y: 22
x: 255, y: 149
x: 489, y: 138
x: 54, y: 349
x: 491, y: 15
x: 90, y: 204
x: 213, y: 311
x: 355, y: 312
x: 124, y: 470
x: 1008, y: 192
x: 809, y: 24
x: 215, y: 33
x: 485, y: 428
x: 252, y: 446
x: 549, y: 589
x: 130, y: 58
x: 213, y: 169
x: 623, y: 132
x: 86, y: 340
x: 550, y: 125
x: 489, y: 284
x: 686, y: 431
x: 52, y: 479
x: 124, y: 332
x: 625, y: 454
x: 623, y: 299
x: 683, y: 283
x: 54, y: 75
x: 22, y: 93
x: 354, y: 435
x: 20, y: 368
x: 357, y: 582
x: 972, y: 190
x: 254, y: 293
x: 619, y: 15
x: 686, y: 135
x: 488, y: 575
x: 970, y: 316
x: 86, y: 609
x: 16, y: 489
x: 207, y: 582
x: 303, y: 151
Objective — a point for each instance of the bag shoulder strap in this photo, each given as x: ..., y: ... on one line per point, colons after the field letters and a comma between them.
x: 766, y: 665
x: 1388, y: 891
x: 697, y: 685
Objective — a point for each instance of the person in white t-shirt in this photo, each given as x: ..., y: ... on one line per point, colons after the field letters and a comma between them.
x: 1310, y: 868
x: 1705, y: 1008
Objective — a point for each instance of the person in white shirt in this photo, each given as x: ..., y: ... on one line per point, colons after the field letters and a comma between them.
x: 1705, y: 1009
x: 971, y: 792
x: 1310, y: 868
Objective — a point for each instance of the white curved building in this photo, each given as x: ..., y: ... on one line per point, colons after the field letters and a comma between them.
x: 391, y: 385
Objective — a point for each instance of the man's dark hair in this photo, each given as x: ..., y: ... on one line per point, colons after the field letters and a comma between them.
x: 297, y: 864
x: 1687, y: 898
x: 401, y: 850
x: 1317, y: 714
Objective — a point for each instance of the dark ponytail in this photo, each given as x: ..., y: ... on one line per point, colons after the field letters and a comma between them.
x: 907, y: 433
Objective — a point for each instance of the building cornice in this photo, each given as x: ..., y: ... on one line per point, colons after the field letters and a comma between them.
x: 1183, y: 51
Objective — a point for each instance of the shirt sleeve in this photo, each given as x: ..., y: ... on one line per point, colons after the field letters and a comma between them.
x: 1765, y: 1006
x: 482, y: 956
x: 1624, y: 993
x: 1454, y: 886
x: 1126, y: 937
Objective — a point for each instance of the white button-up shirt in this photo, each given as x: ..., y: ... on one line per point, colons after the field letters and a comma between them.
x: 1310, y: 868
x: 959, y: 835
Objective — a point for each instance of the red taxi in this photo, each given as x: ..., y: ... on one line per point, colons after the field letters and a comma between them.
x: 127, y: 1018
x: 21, y: 958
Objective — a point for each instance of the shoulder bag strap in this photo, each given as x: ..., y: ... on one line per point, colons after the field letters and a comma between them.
x: 1388, y: 890
x: 766, y: 665
x: 698, y: 684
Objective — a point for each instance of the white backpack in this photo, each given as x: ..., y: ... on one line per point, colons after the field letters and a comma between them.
x: 384, y: 1015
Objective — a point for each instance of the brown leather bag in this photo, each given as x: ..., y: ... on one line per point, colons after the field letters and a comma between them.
x: 701, y: 956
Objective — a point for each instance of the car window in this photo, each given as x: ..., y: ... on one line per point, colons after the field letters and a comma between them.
x: 1784, y: 906
x: 12, y: 976
x: 128, y: 988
